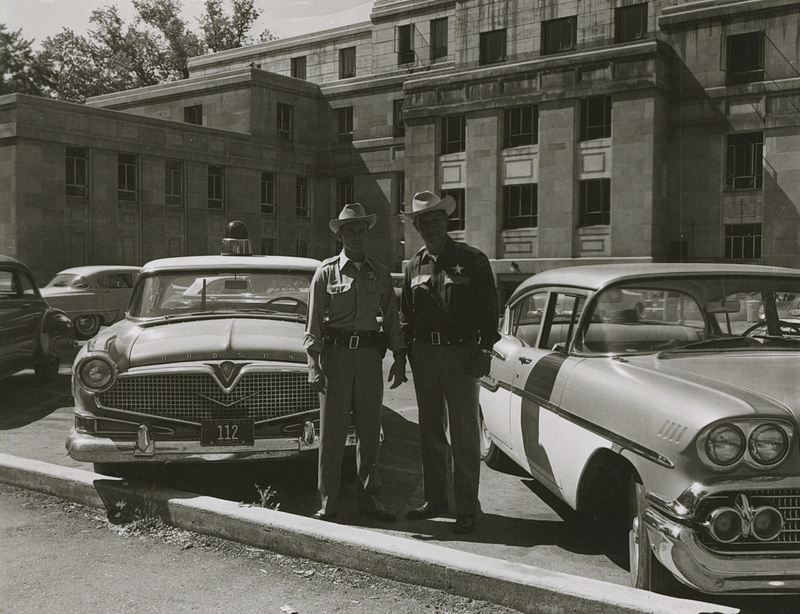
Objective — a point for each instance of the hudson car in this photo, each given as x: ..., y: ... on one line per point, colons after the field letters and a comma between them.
x: 92, y: 296
x: 674, y: 423
x: 207, y: 365
x: 32, y: 334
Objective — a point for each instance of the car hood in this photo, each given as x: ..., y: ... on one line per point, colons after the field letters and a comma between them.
x: 767, y: 382
x: 138, y: 345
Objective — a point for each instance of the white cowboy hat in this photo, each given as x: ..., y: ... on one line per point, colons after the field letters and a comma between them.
x: 426, y: 201
x: 352, y: 213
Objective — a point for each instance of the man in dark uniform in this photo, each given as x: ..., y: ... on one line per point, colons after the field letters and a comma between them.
x: 345, y: 347
x: 449, y: 319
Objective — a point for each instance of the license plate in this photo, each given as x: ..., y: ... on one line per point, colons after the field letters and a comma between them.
x: 232, y: 432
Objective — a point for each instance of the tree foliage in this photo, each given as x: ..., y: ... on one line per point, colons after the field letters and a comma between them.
x: 20, y: 70
x: 115, y: 56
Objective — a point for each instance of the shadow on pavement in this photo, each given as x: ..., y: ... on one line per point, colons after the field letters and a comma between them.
x: 24, y: 398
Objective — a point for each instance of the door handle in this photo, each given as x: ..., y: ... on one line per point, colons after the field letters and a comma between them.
x: 524, y: 360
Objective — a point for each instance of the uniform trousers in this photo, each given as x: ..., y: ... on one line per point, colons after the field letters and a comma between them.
x: 354, y: 385
x: 447, y: 395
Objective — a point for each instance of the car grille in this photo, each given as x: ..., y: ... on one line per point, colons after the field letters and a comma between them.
x: 193, y: 397
x: 786, y: 500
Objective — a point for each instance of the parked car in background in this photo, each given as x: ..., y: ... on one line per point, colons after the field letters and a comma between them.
x: 92, y: 296
x: 674, y: 424
x: 207, y: 365
x: 32, y: 334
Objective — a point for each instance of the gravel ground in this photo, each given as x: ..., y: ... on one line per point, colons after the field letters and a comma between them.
x: 58, y: 556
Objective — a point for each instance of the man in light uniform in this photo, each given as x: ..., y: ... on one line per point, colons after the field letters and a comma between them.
x: 351, y: 300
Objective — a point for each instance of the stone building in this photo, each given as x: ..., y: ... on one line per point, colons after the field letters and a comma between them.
x: 568, y: 132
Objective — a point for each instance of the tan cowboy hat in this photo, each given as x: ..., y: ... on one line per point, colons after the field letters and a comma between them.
x: 352, y: 213
x: 428, y: 201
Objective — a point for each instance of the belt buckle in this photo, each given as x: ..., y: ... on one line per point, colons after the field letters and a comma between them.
x: 353, y: 344
x: 436, y: 338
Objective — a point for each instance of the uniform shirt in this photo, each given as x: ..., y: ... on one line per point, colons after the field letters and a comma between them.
x: 344, y: 297
x: 451, y: 293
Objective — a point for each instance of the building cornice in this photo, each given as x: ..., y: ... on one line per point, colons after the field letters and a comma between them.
x: 686, y: 14
x: 392, y: 9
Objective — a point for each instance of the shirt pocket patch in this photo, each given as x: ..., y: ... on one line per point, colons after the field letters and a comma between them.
x: 339, y: 287
x: 420, y: 280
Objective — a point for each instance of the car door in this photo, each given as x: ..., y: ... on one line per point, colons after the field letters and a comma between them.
x: 21, y: 310
x: 540, y: 370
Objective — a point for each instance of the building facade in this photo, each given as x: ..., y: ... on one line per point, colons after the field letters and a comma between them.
x: 568, y: 132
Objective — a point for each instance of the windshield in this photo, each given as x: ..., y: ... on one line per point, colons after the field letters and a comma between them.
x: 693, y: 314
x: 67, y: 281
x: 180, y: 293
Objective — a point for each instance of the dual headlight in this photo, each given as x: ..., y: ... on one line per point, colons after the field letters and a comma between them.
x: 760, y: 444
x: 96, y: 373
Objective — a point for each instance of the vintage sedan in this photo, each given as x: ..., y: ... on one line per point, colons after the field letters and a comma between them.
x: 32, y: 334
x: 208, y: 365
x: 679, y: 417
x: 92, y: 296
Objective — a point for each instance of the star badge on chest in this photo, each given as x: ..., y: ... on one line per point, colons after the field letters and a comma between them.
x: 458, y: 269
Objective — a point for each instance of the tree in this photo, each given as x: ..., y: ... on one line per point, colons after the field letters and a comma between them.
x: 155, y: 48
x: 20, y: 70
x: 222, y: 31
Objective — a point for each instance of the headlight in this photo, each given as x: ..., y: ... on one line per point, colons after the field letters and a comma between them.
x: 725, y: 444
x: 97, y: 374
x: 768, y: 444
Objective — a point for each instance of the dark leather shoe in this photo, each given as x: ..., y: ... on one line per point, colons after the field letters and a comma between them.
x: 323, y: 516
x: 380, y: 515
x: 465, y: 523
x: 427, y: 510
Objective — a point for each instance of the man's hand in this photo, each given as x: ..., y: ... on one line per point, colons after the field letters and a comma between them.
x: 398, y: 370
x: 482, y: 364
x: 316, y: 377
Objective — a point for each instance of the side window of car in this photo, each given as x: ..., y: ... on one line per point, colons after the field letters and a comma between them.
x: 26, y: 285
x: 102, y: 281
x: 120, y: 280
x: 7, y: 289
x: 561, y: 321
x: 527, y: 316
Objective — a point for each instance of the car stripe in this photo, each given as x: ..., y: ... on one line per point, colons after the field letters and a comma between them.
x: 535, y: 391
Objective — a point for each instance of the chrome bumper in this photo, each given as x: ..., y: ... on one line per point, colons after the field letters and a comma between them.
x: 679, y: 551
x: 90, y: 448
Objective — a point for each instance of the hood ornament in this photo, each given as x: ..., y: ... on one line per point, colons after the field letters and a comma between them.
x: 227, y: 373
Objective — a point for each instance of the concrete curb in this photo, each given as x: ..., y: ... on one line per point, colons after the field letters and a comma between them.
x: 522, y: 587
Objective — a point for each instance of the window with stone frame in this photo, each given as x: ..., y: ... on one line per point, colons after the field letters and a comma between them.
x: 173, y: 183
x: 595, y: 118
x: 458, y: 219
x: 216, y: 186
x: 301, y: 205
x: 744, y: 161
x: 301, y: 248
x: 454, y: 134
x: 745, y: 58
x: 268, y: 246
x: 520, y: 206
x: 269, y: 193
x: 193, y: 114
x: 285, y: 123
x: 400, y: 192
x: 492, y: 47
x: 438, y: 39
x: 630, y: 22
x: 595, y: 202
x: 127, y: 180
x: 298, y: 67
x: 77, y: 172
x: 559, y: 35
x: 404, y: 43
x: 344, y: 124
x: 742, y: 241
x: 345, y: 192
x: 347, y: 63
x: 520, y: 126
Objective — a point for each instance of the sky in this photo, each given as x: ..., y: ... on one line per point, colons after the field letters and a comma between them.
x: 39, y: 19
